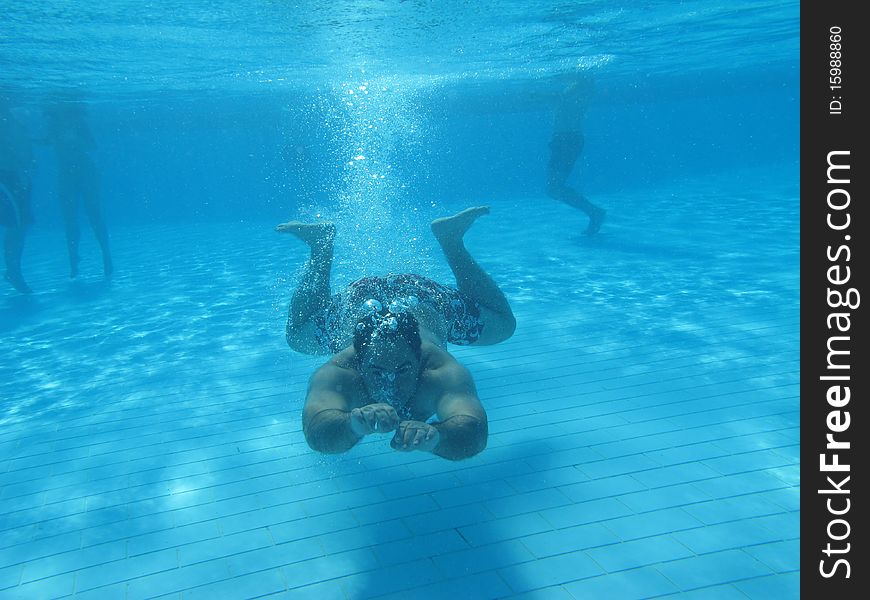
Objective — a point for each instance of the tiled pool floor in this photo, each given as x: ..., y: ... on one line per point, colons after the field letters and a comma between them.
x: 644, y: 419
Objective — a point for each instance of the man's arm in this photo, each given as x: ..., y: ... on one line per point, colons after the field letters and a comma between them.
x: 462, y: 425
x: 326, y: 416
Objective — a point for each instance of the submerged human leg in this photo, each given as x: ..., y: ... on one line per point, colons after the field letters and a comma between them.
x: 68, y: 208
x: 558, y: 190
x: 92, y: 207
x: 16, y: 194
x: 313, y: 293
x: 13, y: 246
x: 565, y: 149
x: 471, y: 279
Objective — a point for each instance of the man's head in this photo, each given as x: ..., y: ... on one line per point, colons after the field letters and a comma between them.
x: 388, y: 350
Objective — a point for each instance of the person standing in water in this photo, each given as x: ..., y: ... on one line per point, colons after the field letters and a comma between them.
x: 566, y: 145
x: 16, y: 215
x: 390, y: 372
x: 77, y: 178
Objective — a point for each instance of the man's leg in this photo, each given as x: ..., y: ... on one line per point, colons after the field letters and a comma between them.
x: 559, y: 191
x: 565, y: 148
x: 312, y: 294
x: 69, y: 210
x: 95, y: 216
x: 471, y: 279
x: 12, y: 249
x: 13, y: 244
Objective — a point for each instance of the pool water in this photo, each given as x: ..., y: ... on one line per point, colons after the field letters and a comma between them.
x: 644, y: 418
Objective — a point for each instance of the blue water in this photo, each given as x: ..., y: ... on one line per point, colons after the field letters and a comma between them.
x: 644, y: 431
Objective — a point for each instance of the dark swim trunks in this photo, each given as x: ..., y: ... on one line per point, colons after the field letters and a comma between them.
x: 457, y: 312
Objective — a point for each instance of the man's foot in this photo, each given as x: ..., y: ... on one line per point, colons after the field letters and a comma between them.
x: 73, y: 267
x: 313, y: 234
x: 18, y: 282
x: 108, y: 267
x: 451, y: 229
x: 596, y: 218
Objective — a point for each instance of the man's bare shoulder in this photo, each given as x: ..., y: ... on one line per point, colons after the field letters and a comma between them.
x: 339, y: 374
x: 341, y: 368
x: 439, y: 366
x: 433, y: 356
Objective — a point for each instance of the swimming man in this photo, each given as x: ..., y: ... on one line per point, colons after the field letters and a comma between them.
x: 390, y: 372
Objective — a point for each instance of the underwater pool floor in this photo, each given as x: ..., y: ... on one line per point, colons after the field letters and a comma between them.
x: 644, y: 419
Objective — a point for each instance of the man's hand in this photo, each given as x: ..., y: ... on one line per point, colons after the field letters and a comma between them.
x: 373, y: 418
x: 415, y: 435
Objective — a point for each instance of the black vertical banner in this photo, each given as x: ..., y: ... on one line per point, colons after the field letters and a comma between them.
x: 835, y: 367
